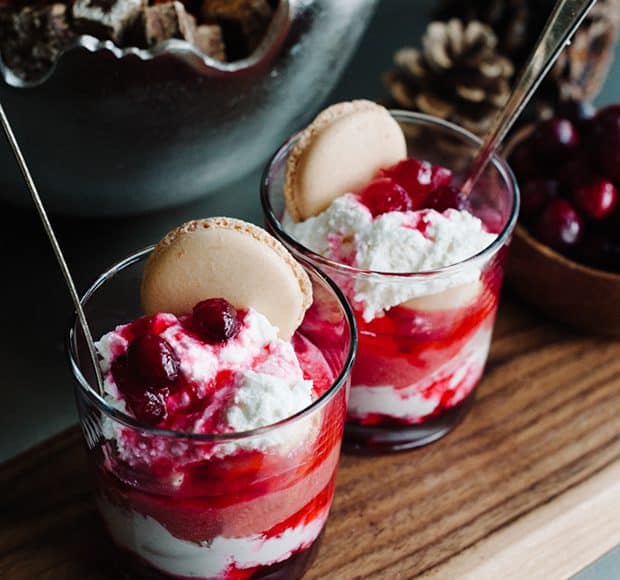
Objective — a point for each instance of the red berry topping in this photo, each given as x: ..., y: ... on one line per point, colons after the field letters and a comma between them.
x: 216, y: 320
x: 125, y: 380
x: 448, y: 197
x: 155, y: 324
x: 416, y: 177
x: 384, y: 195
x: 152, y: 360
x: 555, y: 139
x: 605, y: 142
x: 149, y: 406
x: 441, y: 176
x: 535, y: 195
x: 559, y: 226
x: 597, y: 200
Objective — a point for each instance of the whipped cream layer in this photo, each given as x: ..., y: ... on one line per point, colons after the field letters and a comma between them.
x: 251, y: 381
x: 147, y: 538
x: 445, y: 387
x: 394, y: 242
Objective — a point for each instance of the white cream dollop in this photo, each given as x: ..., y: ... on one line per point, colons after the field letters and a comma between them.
x: 394, y: 242
x: 262, y: 399
x: 266, y: 385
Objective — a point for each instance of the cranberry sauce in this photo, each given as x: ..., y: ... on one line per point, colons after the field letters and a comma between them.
x: 428, y: 362
x: 202, y: 490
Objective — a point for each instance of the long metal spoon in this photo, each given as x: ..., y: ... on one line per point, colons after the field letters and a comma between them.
x: 21, y: 162
x: 563, y: 22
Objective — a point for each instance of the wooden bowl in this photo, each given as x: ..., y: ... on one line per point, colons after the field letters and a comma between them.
x: 570, y: 292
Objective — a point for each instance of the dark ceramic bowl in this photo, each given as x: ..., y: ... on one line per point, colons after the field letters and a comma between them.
x: 120, y: 131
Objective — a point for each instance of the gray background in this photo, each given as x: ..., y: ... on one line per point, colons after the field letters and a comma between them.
x: 37, y: 386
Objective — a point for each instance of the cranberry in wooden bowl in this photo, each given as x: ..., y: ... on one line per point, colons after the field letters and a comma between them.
x: 566, y: 252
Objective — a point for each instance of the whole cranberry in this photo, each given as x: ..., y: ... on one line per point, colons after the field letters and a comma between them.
x: 525, y: 163
x: 555, y: 139
x: 152, y: 359
x: 384, y: 195
x: 448, y: 197
x: 415, y: 176
x: 597, y: 200
x: 559, y: 226
x: 575, y: 172
x: 149, y: 406
x: 216, y: 320
x: 124, y: 378
x: 605, y: 142
x: 535, y: 195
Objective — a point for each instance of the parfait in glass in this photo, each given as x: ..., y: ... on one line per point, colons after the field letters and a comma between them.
x: 372, y: 199
x: 215, y: 442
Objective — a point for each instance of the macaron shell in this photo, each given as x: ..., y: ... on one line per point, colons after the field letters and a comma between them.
x: 340, y: 152
x: 231, y: 259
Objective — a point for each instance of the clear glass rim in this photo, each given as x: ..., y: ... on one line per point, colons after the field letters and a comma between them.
x: 98, y: 401
x: 500, y: 164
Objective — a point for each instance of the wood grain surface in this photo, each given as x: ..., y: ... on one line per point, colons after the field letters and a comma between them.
x: 530, y: 482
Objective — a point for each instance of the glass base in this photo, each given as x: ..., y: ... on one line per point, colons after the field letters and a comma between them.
x: 133, y: 568
x: 379, y: 439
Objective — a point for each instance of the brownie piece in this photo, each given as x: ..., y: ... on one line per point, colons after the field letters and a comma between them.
x: 108, y: 19
x: 208, y: 39
x: 162, y: 22
x: 32, y: 38
x: 244, y: 23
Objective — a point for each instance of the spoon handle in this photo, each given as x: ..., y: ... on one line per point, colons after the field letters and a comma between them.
x: 563, y: 22
x: 21, y: 162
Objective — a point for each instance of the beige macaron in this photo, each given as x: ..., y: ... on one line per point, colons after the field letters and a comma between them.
x: 340, y: 152
x: 226, y: 258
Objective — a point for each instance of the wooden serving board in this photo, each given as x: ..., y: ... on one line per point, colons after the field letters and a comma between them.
x: 527, y: 487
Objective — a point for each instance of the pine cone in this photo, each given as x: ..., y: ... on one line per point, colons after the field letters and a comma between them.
x: 457, y: 75
x: 583, y: 66
x: 517, y: 23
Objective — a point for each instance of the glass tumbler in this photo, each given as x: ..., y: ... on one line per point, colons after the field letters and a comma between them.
x: 419, y: 363
x: 239, y: 505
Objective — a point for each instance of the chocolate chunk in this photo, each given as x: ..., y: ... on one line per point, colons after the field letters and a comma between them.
x: 209, y: 40
x: 106, y: 18
x: 32, y: 39
x: 162, y: 22
x: 244, y: 23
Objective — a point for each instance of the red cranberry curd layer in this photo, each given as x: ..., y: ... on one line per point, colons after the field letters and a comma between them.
x: 423, y: 340
x: 225, y: 508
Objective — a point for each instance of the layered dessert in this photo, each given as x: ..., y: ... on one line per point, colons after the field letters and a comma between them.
x: 402, y: 241
x: 217, y: 477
